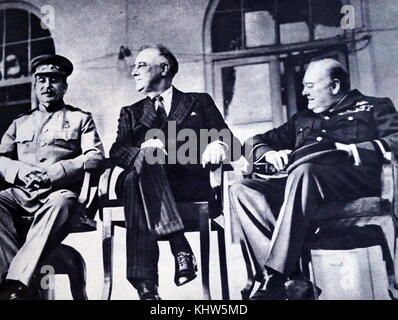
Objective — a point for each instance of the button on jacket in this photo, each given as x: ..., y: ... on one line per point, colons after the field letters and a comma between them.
x: 277, y: 215
x: 368, y: 122
x: 62, y: 142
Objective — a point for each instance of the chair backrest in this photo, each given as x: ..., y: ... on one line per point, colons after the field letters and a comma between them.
x: 394, y: 178
x: 107, y: 197
x: 88, y: 201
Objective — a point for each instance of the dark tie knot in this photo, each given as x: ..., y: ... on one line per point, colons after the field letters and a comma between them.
x: 160, y: 110
x: 157, y: 99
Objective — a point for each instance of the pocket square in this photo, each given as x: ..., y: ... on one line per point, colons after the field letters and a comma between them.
x: 193, y: 113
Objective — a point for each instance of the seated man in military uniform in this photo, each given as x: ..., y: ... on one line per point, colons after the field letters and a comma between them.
x: 332, y: 151
x: 43, y: 155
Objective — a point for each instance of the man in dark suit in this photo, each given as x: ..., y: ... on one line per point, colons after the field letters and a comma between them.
x: 338, y: 146
x: 156, y: 128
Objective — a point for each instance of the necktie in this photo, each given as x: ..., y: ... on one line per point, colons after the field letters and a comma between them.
x: 160, y: 110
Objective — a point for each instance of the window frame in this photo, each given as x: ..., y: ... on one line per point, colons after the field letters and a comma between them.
x: 30, y: 10
x: 213, y: 60
x: 212, y: 11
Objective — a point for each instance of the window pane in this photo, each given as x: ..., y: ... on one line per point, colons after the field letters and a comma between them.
x: 294, y: 32
x: 36, y: 29
x: 40, y: 47
x: 327, y: 12
x: 226, y: 33
x: 246, y: 93
x: 324, y: 32
x: 229, y: 5
x: 9, y: 113
x: 21, y: 92
x: 292, y: 11
x: 259, y: 5
x: 1, y: 63
x: 260, y: 28
x: 327, y: 18
x: 16, y: 61
x: 17, y: 27
x: 1, y: 25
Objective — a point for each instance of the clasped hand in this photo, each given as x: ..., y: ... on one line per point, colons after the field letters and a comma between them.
x: 279, y: 159
x: 34, y: 177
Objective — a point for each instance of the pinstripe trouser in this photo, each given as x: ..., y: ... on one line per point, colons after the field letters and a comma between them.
x: 149, y: 193
x: 275, y: 215
x: 151, y: 214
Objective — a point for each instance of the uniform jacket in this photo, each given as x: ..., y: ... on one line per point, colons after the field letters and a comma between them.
x: 193, y: 111
x: 63, y: 142
x: 368, y: 122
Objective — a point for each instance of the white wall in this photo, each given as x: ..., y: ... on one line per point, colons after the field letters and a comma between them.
x: 90, y: 32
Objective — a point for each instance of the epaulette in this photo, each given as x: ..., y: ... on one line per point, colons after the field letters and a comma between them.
x: 77, y: 109
x: 26, y: 113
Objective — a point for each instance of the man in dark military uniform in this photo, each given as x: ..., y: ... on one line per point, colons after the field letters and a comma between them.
x: 338, y: 146
x: 42, y: 155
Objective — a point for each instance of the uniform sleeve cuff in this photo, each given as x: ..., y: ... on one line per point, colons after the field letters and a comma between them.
x: 56, y: 173
x: 12, y: 171
x: 355, y: 154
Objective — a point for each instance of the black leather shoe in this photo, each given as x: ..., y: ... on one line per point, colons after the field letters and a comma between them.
x: 14, y: 290
x: 301, y: 289
x: 185, y: 268
x: 148, y: 290
x: 271, y: 289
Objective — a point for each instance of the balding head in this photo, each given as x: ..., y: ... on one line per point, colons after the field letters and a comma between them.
x: 335, y: 70
x: 325, y: 82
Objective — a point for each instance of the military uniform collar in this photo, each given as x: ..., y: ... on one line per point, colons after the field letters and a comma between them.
x: 53, y: 108
x: 346, y: 102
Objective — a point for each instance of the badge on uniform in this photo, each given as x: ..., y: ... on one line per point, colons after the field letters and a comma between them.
x: 66, y: 125
x: 359, y: 107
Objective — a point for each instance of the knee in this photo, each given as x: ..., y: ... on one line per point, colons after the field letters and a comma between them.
x: 130, y: 177
x: 238, y: 188
x: 62, y: 199
x: 305, y: 169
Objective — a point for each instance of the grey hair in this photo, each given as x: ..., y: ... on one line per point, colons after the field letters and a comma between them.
x: 165, y: 52
x: 336, y: 71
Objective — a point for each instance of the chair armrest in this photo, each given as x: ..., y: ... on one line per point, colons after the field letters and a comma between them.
x: 107, y: 182
x: 89, y: 187
x: 217, y: 193
x: 394, y: 174
x: 103, y: 187
x: 106, y: 191
x: 88, y: 200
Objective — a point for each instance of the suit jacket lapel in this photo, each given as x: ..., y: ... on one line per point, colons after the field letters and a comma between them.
x: 181, y: 106
x: 148, y: 117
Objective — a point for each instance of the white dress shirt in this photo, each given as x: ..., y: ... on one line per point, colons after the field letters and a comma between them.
x: 167, y: 96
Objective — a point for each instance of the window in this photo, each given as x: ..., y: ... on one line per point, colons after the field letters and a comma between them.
x: 21, y: 38
x: 242, y: 24
x: 256, y: 52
